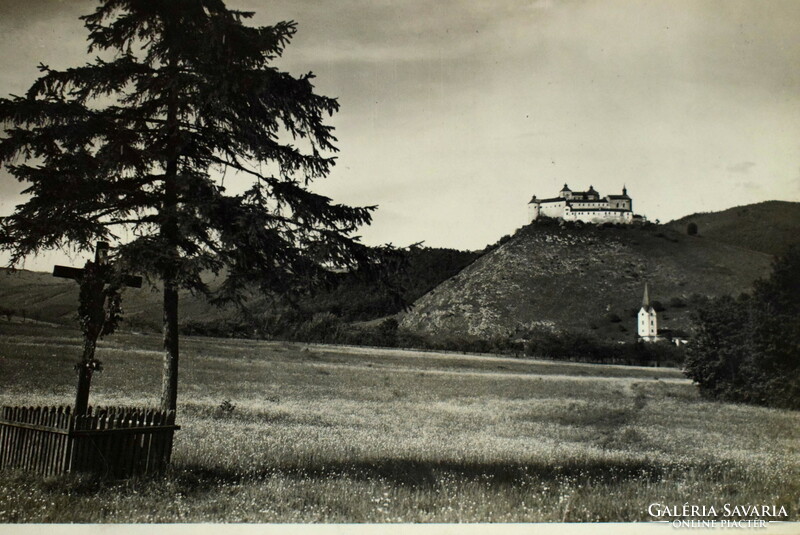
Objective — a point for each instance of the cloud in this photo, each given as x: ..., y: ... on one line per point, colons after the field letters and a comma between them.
x: 750, y: 185
x: 741, y: 167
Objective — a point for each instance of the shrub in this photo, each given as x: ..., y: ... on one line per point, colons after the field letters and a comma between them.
x: 575, y: 346
x: 749, y: 349
x: 217, y: 328
x: 225, y: 408
x: 677, y: 302
x: 691, y: 229
x: 387, y: 332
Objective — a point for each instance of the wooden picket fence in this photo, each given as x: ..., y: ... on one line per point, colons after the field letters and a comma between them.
x: 115, y: 442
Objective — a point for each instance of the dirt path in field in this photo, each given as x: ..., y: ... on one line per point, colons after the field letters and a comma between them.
x: 416, y: 354
x: 500, y: 373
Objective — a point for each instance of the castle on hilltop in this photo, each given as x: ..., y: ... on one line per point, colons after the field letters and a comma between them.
x: 586, y: 206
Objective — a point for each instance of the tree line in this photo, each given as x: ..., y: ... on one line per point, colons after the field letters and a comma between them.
x: 747, y: 349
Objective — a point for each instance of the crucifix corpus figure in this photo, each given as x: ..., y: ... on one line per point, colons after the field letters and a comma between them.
x: 99, y: 312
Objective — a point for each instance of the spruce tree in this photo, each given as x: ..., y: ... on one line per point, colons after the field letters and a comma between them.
x: 134, y: 146
x: 749, y: 349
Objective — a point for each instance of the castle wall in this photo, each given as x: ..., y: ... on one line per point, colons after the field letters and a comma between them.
x: 620, y: 204
x: 600, y: 216
x: 553, y: 209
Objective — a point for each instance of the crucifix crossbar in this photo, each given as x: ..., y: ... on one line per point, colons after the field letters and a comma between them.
x: 100, y: 258
x: 66, y: 272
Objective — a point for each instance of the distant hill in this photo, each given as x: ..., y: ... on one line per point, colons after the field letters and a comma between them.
x: 551, y: 276
x: 769, y: 227
x: 359, y: 300
x: 546, y: 276
x: 40, y: 296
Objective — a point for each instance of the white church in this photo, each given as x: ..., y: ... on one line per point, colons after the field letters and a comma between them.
x: 648, y: 320
x: 586, y: 206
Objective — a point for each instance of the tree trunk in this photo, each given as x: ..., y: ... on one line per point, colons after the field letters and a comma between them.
x: 169, y: 376
x: 169, y: 230
x: 84, y: 378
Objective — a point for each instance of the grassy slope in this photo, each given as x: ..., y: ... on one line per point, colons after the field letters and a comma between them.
x: 769, y: 227
x: 46, y: 298
x: 320, y: 434
x: 547, y: 276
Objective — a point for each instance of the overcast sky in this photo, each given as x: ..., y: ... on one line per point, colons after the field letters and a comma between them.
x: 455, y: 112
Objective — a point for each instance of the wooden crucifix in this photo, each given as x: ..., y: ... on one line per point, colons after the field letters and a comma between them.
x: 99, y: 311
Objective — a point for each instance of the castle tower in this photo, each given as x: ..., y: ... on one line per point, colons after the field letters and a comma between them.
x: 533, y: 209
x: 648, y: 320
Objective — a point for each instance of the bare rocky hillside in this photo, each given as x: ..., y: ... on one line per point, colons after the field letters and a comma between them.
x: 551, y: 276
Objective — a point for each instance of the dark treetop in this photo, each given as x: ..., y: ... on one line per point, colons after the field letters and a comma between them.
x: 137, y: 139
x: 131, y: 148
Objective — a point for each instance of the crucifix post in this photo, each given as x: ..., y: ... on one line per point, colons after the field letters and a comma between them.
x: 98, y: 310
x: 92, y: 318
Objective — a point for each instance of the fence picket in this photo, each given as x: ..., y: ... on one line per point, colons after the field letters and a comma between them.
x: 47, y: 447
x: 148, y: 442
x: 27, y: 440
x: 22, y: 438
x: 5, y: 439
x: 126, y: 459
x: 37, y: 439
x: 4, y: 432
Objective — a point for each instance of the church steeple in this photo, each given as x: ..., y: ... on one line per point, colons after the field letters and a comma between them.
x: 648, y: 318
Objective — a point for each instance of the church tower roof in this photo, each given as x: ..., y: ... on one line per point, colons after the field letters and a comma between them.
x: 646, y: 298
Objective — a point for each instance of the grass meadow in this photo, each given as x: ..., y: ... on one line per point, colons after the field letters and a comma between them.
x: 284, y: 432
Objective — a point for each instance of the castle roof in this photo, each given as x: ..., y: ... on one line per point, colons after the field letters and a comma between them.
x: 617, y: 197
x: 621, y: 210
x: 565, y: 188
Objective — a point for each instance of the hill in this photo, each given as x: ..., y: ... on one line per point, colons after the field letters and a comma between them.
x: 769, y: 227
x: 585, y: 278
x: 40, y: 296
x: 356, y: 299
